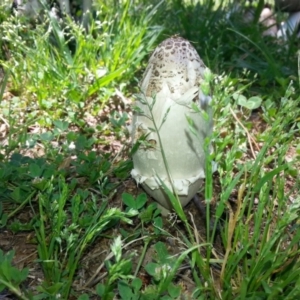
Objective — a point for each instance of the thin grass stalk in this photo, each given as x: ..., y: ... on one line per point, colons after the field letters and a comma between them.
x: 16, y: 291
x: 4, y: 82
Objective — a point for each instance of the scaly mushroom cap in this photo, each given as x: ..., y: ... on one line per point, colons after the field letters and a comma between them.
x: 173, y: 68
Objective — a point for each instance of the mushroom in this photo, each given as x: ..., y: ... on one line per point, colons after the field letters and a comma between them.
x: 267, y: 19
x: 169, y: 88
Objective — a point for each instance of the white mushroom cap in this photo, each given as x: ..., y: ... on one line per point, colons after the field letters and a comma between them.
x: 174, y: 68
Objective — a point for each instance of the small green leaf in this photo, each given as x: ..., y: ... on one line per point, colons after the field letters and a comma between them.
x: 61, y: 125
x: 152, y: 268
x: 35, y: 170
x: 146, y: 215
x: 137, y: 284
x: 129, y: 200
x: 239, y: 98
x: 162, y: 252
x: 46, y: 136
x: 124, y: 233
x: 141, y: 201
x: 158, y: 222
x: 23, y: 274
x: 173, y: 290
x: 251, y: 103
x: 17, y: 195
x: 254, y: 102
x: 100, y: 289
x: 124, y: 290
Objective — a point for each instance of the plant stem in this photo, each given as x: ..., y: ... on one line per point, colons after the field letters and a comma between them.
x: 14, y: 289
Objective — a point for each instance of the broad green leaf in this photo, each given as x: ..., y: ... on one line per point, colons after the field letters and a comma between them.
x: 35, y: 170
x: 136, y: 284
x: 141, y: 200
x: 100, y: 289
x: 152, y: 270
x: 125, y: 290
x: 46, y: 136
x: 129, y: 200
x: 162, y: 252
x: 61, y: 125
x: 174, y: 290
x: 251, y: 103
x: 84, y: 297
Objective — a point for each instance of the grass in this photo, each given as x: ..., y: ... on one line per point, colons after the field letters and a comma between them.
x: 65, y: 161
